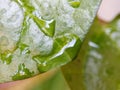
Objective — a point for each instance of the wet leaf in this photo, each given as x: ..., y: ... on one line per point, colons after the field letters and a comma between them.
x: 41, y: 34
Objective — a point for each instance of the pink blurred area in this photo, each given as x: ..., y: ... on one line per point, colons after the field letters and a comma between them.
x: 27, y: 84
x: 109, y: 9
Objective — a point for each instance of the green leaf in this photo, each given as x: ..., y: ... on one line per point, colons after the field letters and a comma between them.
x: 41, y: 34
x: 97, y: 65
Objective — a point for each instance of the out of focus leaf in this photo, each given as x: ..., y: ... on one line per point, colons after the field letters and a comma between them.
x: 98, y: 63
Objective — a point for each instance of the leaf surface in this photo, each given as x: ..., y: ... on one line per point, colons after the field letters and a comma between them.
x: 38, y: 35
